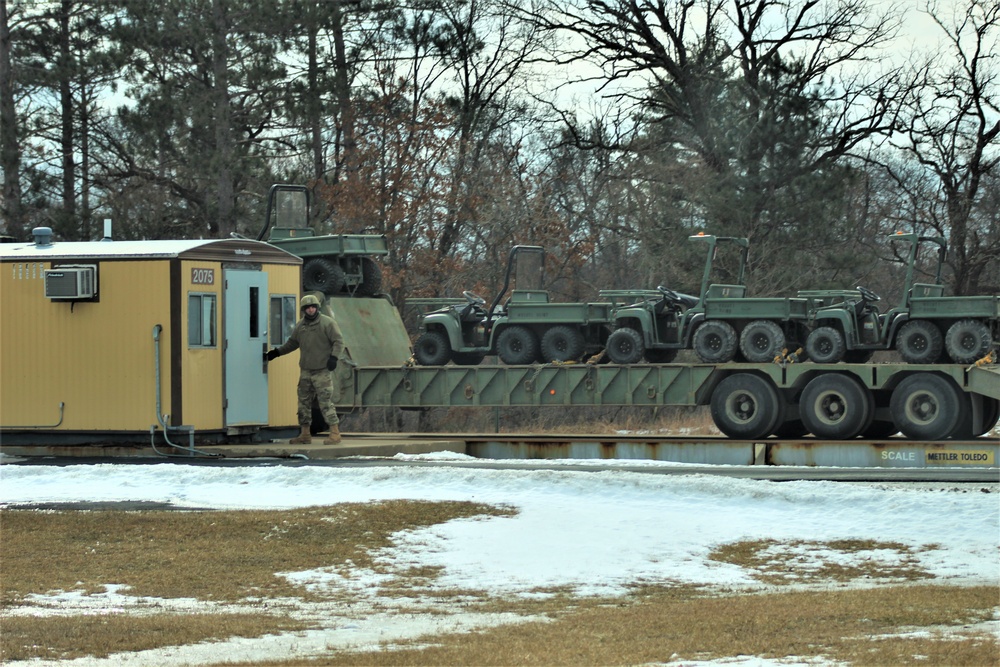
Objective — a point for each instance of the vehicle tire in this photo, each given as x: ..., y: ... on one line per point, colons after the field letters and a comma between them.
x: 927, y: 406
x: 660, y: 355
x: 371, y: 278
x: 468, y: 358
x: 322, y: 275
x: 715, y: 342
x: 432, y: 349
x: 920, y: 342
x: 991, y: 414
x: 746, y: 406
x: 517, y: 346
x: 825, y: 345
x: 968, y: 341
x: 762, y: 341
x: 562, y: 343
x: 625, y: 346
x: 836, y: 407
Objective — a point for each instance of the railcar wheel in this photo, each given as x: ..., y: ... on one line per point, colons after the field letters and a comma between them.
x: 715, y: 342
x: 625, y: 346
x: 927, y: 406
x: 323, y: 275
x: 746, y: 406
x: 659, y: 355
x: 836, y: 407
x: 562, y: 343
x: 920, y: 342
x: 432, y: 349
x: 825, y: 345
x: 761, y: 341
x: 517, y: 346
x: 967, y: 341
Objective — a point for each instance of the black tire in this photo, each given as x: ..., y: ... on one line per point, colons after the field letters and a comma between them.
x: 920, y: 342
x: 967, y: 341
x: 371, y: 278
x: 746, y: 406
x: 468, y: 358
x: 625, y: 346
x: 322, y: 275
x: 927, y: 406
x: 432, y: 349
x: 660, y: 355
x: 762, y: 341
x: 562, y: 343
x: 836, y: 407
x: 825, y: 345
x: 715, y: 342
x: 991, y: 414
x: 517, y: 346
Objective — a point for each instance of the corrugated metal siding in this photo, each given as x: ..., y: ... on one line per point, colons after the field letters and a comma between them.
x: 97, y: 358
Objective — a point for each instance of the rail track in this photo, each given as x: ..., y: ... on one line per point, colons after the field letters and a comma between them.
x: 888, y: 459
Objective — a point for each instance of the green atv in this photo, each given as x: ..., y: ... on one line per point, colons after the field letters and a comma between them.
x: 524, y: 329
x: 722, y: 324
x: 336, y: 264
x: 925, y: 328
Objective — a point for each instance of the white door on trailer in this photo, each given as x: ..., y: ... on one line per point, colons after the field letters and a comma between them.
x: 245, y: 309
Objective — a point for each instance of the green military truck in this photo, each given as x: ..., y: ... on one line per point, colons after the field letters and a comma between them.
x: 334, y: 264
x: 721, y: 324
x: 927, y: 327
x: 524, y: 329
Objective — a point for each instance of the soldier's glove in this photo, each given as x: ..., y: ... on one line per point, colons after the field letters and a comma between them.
x: 331, y: 363
x: 272, y: 354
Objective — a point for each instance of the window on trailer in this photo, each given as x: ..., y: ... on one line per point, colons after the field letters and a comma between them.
x: 201, y: 320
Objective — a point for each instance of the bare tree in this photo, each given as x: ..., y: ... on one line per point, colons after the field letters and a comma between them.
x: 951, y: 129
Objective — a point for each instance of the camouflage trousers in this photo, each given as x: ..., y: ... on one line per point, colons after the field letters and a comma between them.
x: 317, y: 385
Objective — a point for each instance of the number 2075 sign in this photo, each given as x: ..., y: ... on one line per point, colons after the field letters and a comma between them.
x: 203, y: 276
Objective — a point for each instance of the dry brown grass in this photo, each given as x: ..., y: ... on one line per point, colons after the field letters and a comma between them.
x: 209, y: 556
x: 662, y: 625
x: 232, y: 556
x: 57, y: 638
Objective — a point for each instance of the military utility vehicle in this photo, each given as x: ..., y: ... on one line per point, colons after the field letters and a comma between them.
x: 721, y: 324
x: 525, y: 328
x: 334, y: 264
x: 925, y: 328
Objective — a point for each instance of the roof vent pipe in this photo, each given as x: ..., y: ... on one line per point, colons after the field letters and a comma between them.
x: 43, y: 236
x: 107, y: 229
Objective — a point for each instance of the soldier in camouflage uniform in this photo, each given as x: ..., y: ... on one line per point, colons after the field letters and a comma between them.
x: 320, y: 343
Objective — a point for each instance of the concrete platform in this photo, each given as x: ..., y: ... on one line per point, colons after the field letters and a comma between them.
x: 380, y: 445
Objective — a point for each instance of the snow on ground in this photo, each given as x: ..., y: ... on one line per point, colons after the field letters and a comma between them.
x: 594, y: 532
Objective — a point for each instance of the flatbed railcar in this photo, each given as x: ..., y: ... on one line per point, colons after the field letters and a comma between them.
x: 748, y: 401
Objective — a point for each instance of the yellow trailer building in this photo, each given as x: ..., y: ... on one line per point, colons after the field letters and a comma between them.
x: 116, y: 341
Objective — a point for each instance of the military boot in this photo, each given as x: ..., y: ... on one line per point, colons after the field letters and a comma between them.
x: 334, y: 437
x: 303, y: 438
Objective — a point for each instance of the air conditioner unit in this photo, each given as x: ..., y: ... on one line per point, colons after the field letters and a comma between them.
x: 71, y: 282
